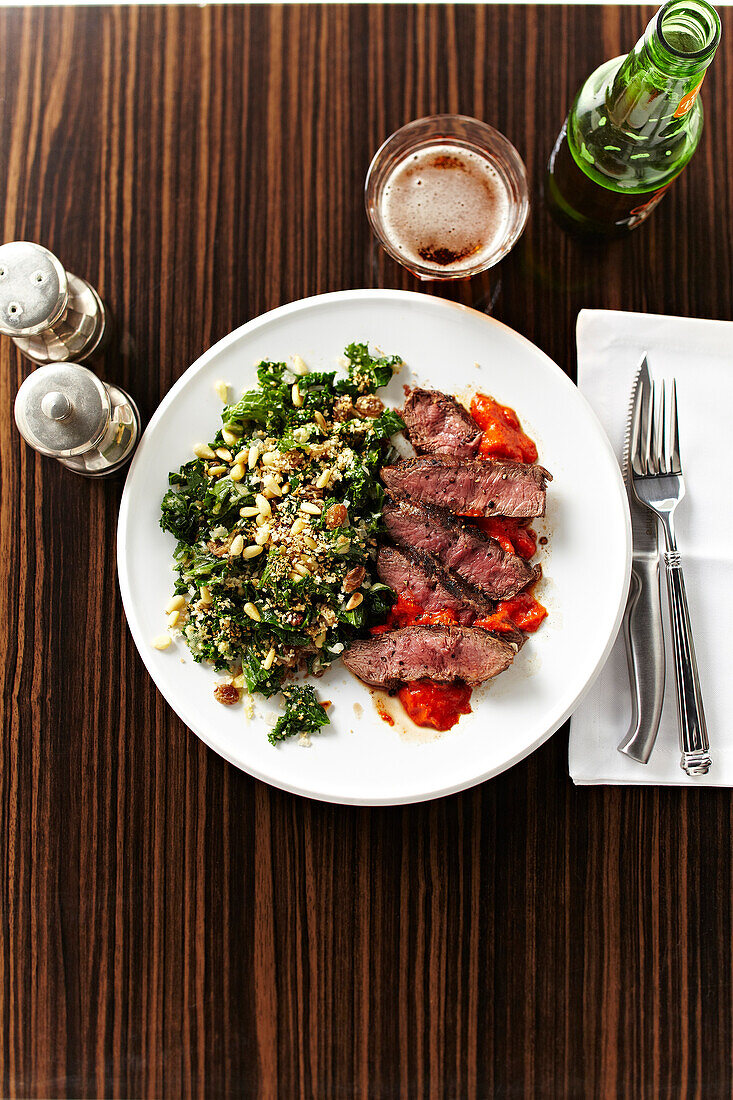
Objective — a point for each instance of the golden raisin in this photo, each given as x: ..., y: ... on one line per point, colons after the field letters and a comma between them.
x: 369, y: 405
x: 353, y: 578
x: 337, y: 516
x: 227, y: 694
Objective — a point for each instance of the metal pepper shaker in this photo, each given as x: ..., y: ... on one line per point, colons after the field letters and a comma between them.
x: 66, y: 412
x: 50, y: 314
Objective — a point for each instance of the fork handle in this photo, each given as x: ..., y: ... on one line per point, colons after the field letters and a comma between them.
x: 694, y: 744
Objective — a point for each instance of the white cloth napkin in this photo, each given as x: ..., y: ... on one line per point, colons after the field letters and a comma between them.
x: 699, y: 354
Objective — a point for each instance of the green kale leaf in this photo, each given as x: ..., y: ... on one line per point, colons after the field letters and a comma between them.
x: 303, y: 713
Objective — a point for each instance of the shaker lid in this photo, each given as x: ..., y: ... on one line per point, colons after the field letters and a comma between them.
x: 33, y: 289
x: 62, y: 409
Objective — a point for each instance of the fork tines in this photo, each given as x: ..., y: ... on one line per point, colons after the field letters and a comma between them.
x: 655, y: 440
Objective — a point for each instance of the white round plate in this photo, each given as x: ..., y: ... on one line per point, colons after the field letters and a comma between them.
x: 361, y: 759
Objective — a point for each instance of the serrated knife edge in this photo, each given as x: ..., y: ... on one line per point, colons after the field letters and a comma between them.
x: 645, y: 542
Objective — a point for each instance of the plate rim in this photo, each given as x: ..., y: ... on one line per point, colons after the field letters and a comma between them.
x: 252, y: 325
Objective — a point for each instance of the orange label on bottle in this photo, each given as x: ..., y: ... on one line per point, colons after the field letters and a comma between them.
x: 686, y: 103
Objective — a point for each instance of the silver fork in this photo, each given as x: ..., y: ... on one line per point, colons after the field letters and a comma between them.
x: 658, y: 483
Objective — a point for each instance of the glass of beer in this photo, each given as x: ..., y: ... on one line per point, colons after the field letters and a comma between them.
x: 447, y: 196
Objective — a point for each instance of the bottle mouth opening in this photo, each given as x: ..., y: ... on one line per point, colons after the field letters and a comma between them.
x: 688, y: 29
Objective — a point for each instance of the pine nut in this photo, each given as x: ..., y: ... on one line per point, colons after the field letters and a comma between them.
x: 342, y: 545
x: 215, y: 471
x: 231, y: 436
x: 269, y: 458
x: 252, y: 455
x: 310, y: 509
x: 237, y: 546
x: 320, y: 419
x: 162, y: 641
x: 238, y: 681
x: 222, y: 391
x: 251, y: 610
x: 263, y: 534
x: 296, y: 396
x: 299, y: 567
x: 260, y: 520
x: 175, y: 604
x: 298, y: 526
x: 237, y: 472
x: 323, y: 479
x: 299, y: 366
x: 242, y: 457
x: 271, y: 485
x: 263, y: 504
x: 203, y: 450
x: 354, y: 602
x: 310, y: 543
x: 296, y: 578
x: 173, y: 617
x: 249, y: 512
x: 251, y: 552
x: 267, y: 663
x: 206, y: 597
x: 223, y: 454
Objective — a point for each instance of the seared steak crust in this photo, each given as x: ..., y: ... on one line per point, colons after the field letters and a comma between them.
x: 490, y: 488
x: 418, y: 576
x: 476, y: 558
x: 437, y: 424
x: 442, y: 653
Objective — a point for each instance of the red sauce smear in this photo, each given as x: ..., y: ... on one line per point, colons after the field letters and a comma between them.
x: 510, y: 534
x: 384, y: 713
x: 408, y: 613
x: 438, y: 706
x: 503, y: 436
x: 522, y: 612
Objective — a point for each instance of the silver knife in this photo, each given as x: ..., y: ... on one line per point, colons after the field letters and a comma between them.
x: 642, y: 624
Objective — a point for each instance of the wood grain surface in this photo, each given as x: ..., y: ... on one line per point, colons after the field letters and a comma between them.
x: 171, y: 927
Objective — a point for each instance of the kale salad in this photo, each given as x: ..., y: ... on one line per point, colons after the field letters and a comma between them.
x: 276, y: 520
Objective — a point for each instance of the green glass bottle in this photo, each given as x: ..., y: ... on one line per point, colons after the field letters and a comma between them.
x: 634, y: 124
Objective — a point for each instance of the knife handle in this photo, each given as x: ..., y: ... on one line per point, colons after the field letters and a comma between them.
x: 645, y: 655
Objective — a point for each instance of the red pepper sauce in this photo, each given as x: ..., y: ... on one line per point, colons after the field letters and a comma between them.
x: 522, y: 612
x: 510, y: 534
x: 503, y: 436
x: 405, y: 612
x: 438, y: 706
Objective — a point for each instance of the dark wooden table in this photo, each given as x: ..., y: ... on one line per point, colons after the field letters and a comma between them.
x: 171, y: 927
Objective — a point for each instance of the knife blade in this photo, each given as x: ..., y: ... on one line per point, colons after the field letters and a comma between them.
x: 642, y: 625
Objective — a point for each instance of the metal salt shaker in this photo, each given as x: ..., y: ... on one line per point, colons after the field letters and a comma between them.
x: 66, y: 412
x: 50, y: 314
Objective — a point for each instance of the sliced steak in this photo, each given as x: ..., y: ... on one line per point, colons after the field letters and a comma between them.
x: 442, y: 653
x: 438, y: 424
x: 476, y: 558
x: 490, y: 488
x: 419, y: 577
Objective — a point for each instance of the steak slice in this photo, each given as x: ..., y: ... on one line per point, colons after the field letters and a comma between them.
x: 476, y: 558
x: 438, y: 424
x: 419, y: 577
x: 442, y: 653
x: 490, y: 488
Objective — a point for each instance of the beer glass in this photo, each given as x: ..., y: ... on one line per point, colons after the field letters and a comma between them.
x: 447, y: 196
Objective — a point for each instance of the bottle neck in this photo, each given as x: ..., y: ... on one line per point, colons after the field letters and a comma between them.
x: 660, y: 78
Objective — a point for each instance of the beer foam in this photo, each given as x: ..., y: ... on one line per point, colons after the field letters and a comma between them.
x: 445, y: 208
